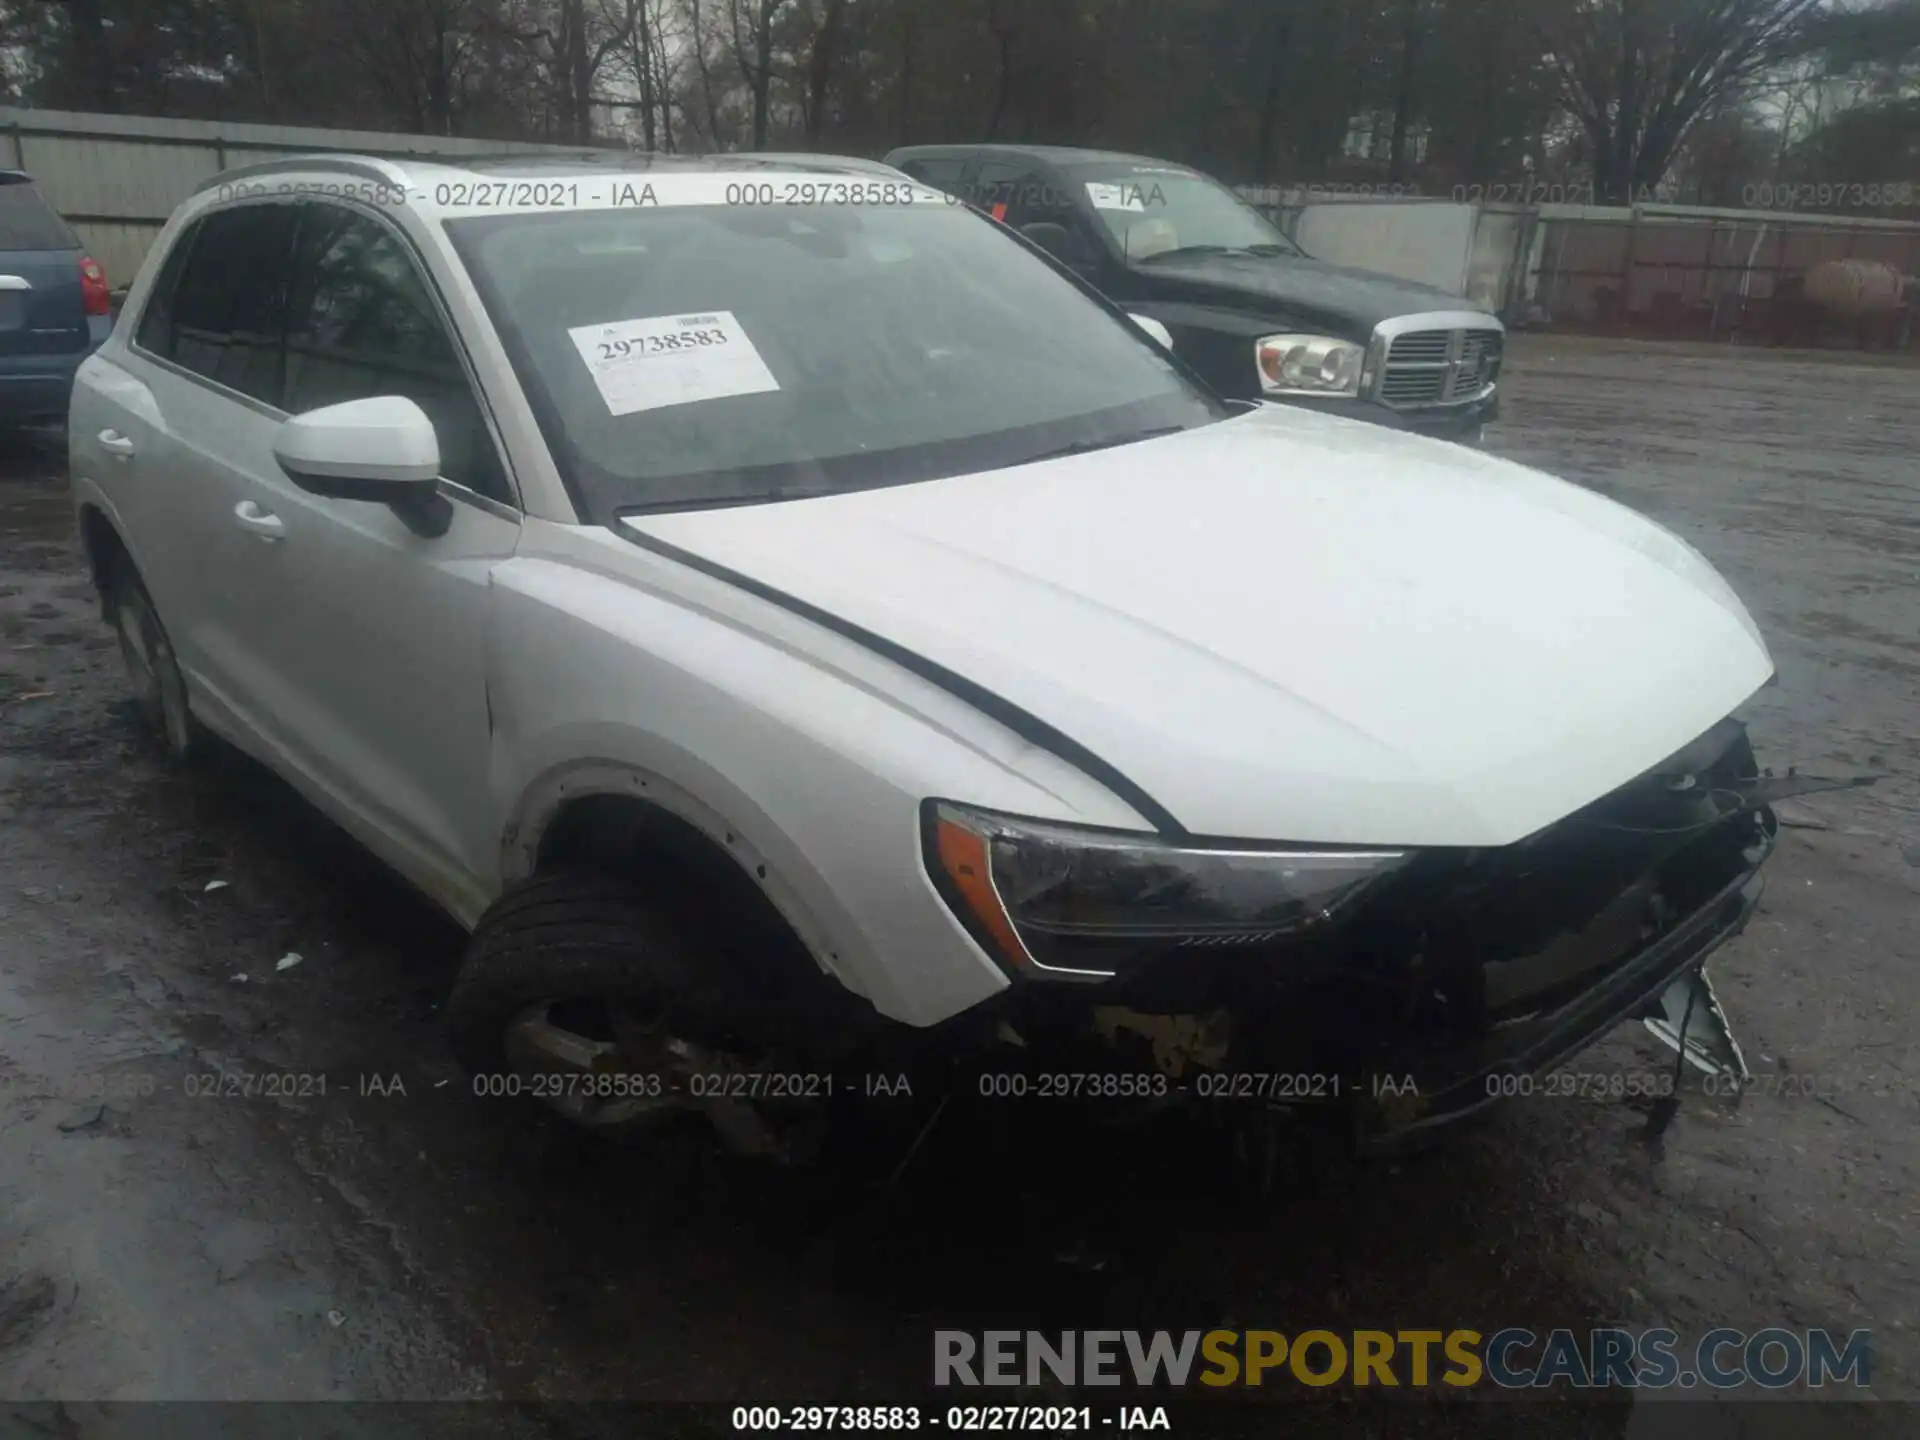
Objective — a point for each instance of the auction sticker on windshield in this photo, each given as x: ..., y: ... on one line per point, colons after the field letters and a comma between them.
x: 1115, y: 197
x: 671, y: 360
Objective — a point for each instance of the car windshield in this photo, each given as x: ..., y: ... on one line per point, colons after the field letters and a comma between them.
x: 691, y: 355
x: 1154, y: 210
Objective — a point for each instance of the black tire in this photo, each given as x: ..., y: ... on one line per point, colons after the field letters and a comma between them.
x: 159, y: 688
x: 587, y: 936
x: 572, y: 936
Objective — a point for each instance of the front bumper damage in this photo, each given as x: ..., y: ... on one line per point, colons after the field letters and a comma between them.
x: 1664, y: 983
x: 1466, y: 971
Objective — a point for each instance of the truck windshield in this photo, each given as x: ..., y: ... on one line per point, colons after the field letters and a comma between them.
x: 701, y: 354
x: 1153, y: 210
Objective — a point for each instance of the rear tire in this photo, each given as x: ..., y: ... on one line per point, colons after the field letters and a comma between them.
x: 159, y: 688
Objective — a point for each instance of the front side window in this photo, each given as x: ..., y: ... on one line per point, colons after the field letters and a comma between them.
x: 362, y: 322
x: 1154, y: 210
x: 695, y: 355
x: 224, y: 318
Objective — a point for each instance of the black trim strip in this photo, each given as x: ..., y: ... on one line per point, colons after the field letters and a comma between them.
x: 1027, y: 726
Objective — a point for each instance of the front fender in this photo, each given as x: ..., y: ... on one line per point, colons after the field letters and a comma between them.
x: 809, y: 771
x: 624, y: 767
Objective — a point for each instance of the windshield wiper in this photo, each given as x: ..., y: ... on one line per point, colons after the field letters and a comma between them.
x: 1263, y: 250
x: 1189, y: 250
x: 1087, y: 447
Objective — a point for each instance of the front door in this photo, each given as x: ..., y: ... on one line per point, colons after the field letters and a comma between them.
x: 380, y: 632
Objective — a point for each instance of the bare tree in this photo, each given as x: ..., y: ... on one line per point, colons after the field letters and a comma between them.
x: 709, y: 101
x: 752, y: 29
x: 570, y: 43
x: 828, y: 29
x: 1638, y: 74
x: 95, y: 50
x: 413, y: 53
x: 1279, y: 42
x: 907, y: 18
x: 1413, y: 22
x: 1000, y: 25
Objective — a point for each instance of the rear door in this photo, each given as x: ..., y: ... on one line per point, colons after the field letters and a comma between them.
x: 207, y: 353
x: 42, y: 306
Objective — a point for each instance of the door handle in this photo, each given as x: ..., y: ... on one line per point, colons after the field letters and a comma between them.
x: 264, y: 523
x: 114, y: 443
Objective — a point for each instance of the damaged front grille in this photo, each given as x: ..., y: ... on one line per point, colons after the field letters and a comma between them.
x: 1481, y: 950
x: 1511, y: 935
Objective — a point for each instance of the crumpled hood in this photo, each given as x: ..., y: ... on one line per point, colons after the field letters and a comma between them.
x: 1288, y: 626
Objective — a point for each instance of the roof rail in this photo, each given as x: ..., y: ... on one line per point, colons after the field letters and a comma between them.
x: 384, y: 171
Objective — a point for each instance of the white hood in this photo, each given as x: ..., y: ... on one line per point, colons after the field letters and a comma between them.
x: 1287, y: 626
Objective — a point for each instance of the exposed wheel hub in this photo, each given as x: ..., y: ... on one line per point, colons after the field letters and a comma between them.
x: 605, y: 1065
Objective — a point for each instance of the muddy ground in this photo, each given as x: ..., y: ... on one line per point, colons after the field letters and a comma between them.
x: 406, y: 1240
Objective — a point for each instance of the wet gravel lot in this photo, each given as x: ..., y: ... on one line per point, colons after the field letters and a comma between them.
x: 381, y: 1233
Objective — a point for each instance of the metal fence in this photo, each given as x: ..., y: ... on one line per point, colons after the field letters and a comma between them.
x: 117, y: 178
x: 1671, y: 272
x: 1684, y: 273
x: 1469, y: 249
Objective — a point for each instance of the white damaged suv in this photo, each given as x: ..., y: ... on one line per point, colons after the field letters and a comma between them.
x: 796, y: 625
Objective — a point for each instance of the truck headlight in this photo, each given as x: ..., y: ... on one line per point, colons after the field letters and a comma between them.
x: 1062, y: 902
x: 1309, y: 365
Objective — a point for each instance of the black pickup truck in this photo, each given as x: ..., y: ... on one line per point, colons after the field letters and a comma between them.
x: 1242, y: 304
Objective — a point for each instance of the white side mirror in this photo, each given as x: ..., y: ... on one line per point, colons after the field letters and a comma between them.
x: 1154, y: 328
x: 383, y: 449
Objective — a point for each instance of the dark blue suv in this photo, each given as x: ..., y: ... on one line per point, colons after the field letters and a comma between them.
x: 55, y: 307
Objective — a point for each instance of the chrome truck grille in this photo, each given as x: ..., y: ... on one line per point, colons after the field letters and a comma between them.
x: 1427, y: 360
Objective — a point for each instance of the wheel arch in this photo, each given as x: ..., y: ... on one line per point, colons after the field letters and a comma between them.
x: 592, y: 811
x: 105, y: 551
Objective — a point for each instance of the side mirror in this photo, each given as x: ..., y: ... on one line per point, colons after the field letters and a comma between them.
x: 1154, y: 328
x: 382, y: 450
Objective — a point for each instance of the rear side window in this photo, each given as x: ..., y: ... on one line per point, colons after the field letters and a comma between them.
x: 226, y: 317
x: 997, y: 184
x: 362, y: 322
x: 27, y: 222
x: 156, y: 321
x: 941, y: 172
x: 1022, y: 197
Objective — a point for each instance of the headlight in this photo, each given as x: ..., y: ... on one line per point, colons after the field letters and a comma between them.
x: 1057, y: 901
x: 1309, y: 365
